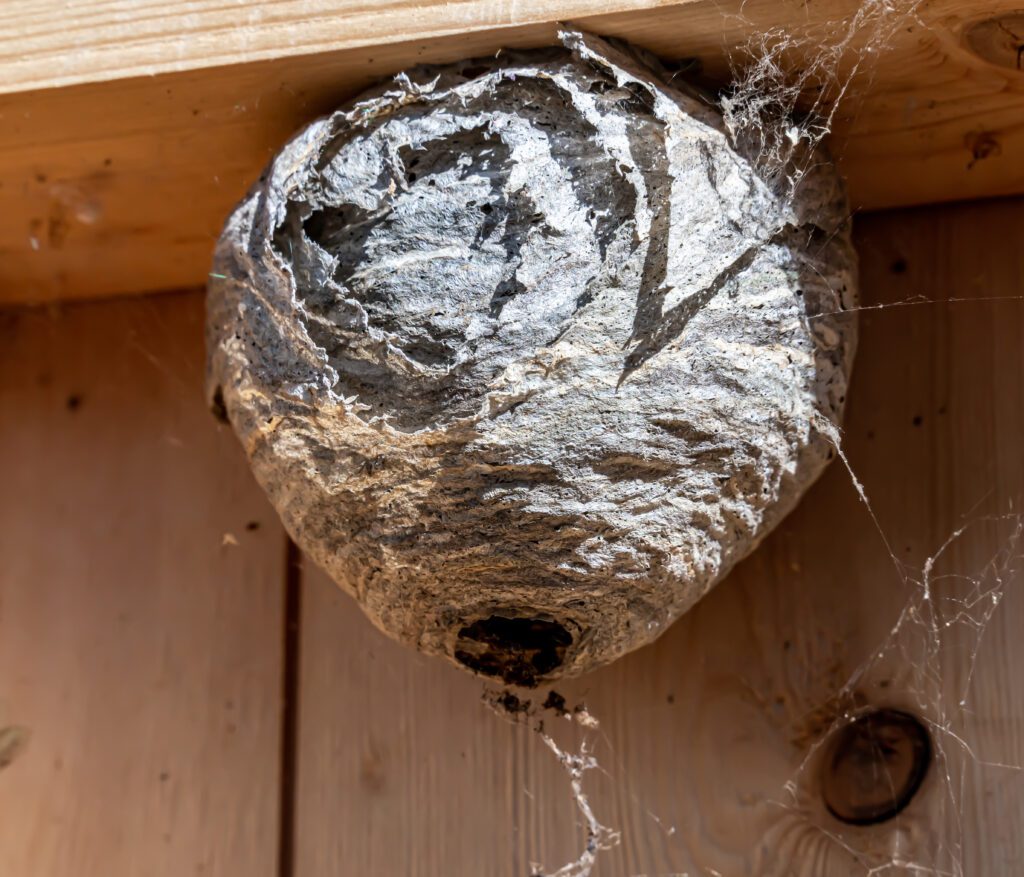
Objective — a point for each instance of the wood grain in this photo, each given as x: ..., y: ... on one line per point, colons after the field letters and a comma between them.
x: 140, y: 605
x: 143, y: 652
x: 118, y: 183
x: 45, y: 44
x: 403, y: 771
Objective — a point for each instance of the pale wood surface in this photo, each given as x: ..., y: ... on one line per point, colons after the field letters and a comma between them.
x: 119, y: 185
x: 136, y: 644
x: 140, y: 648
x: 403, y: 771
x: 45, y: 43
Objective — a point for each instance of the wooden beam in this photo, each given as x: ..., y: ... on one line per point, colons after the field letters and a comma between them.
x: 116, y: 182
x: 45, y: 44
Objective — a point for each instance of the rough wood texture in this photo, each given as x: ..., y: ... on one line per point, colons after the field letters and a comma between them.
x: 121, y: 186
x: 401, y: 770
x: 527, y: 356
x: 45, y: 44
x: 139, y: 646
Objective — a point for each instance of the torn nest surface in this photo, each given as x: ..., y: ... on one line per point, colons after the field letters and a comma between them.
x: 527, y: 355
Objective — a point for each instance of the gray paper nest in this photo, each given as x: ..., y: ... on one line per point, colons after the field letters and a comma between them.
x: 527, y: 356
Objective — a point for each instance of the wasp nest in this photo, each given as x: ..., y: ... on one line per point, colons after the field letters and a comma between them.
x: 527, y: 356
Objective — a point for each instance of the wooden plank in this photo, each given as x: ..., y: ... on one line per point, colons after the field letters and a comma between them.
x: 45, y: 44
x: 139, y: 644
x: 121, y: 185
x: 403, y: 771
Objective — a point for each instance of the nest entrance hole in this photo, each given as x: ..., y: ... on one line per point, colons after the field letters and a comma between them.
x: 518, y: 651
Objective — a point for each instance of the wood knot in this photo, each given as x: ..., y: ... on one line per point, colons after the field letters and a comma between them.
x: 998, y: 40
x: 874, y: 766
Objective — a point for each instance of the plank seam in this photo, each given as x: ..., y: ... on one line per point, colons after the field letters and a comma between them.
x: 290, y: 680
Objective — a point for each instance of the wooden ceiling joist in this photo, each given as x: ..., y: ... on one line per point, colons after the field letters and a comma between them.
x: 129, y: 128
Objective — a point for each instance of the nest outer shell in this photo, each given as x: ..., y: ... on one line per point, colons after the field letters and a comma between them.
x: 526, y: 355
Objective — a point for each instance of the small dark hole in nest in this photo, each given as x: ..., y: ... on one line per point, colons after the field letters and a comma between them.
x: 874, y: 766
x: 516, y: 650
x: 218, y: 407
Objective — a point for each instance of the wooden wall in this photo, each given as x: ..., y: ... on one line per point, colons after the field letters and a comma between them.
x: 197, y: 706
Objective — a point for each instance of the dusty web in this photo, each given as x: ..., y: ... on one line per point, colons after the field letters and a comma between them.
x: 929, y: 655
x: 599, y: 837
x: 788, y: 85
x: 576, y: 762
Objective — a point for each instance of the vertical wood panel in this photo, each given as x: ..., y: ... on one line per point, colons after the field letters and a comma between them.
x: 139, y: 645
x: 402, y: 771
